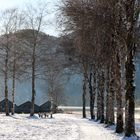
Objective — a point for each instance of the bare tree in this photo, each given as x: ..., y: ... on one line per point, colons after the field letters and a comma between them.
x: 8, y: 18
x: 129, y: 8
x: 55, y: 79
x: 35, y: 20
x: 16, y: 66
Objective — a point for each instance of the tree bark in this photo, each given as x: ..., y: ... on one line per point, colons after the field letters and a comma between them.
x: 130, y: 98
x: 91, y: 94
x: 84, y: 98
x: 107, y: 97
x: 94, y: 90
x: 100, y: 98
x: 13, y: 87
x: 6, y: 85
x: 101, y: 88
x: 119, y: 124
x: 111, y: 97
x: 33, y: 82
x: 130, y: 68
x: 85, y: 67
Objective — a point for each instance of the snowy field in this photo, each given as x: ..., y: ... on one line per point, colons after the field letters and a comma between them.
x: 61, y: 127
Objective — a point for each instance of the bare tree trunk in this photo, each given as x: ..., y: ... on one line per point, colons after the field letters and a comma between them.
x: 6, y: 85
x: 119, y: 124
x: 91, y: 93
x: 130, y: 98
x: 130, y: 68
x: 85, y: 67
x: 111, y: 97
x: 94, y: 91
x: 101, y: 88
x: 13, y: 87
x: 107, y: 96
x: 84, y: 98
x: 98, y: 99
x: 33, y: 82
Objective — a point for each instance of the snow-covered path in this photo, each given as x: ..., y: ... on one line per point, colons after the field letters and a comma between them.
x: 61, y: 127
x: 91, y: 131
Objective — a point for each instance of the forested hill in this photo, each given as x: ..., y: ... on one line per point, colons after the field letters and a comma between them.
x: 52, y: 67
x: 57, y: 61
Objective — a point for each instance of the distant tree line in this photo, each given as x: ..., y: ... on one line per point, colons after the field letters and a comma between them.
x: 104, y: 38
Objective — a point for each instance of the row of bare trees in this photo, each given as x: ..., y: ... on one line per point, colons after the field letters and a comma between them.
x: 24, y: 54
x: 10, y: 53
x: 104, y: 35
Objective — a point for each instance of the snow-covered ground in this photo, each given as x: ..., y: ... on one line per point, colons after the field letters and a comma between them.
x: 61, y: 127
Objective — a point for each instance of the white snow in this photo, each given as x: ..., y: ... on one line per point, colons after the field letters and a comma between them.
x: 60, y: 127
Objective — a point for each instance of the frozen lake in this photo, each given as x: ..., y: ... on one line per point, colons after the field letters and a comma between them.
x: 75, y: 109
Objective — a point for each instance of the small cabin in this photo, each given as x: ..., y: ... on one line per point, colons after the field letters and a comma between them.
x: 26, y: 108
x: 2, y: 105
x: 46, y: 107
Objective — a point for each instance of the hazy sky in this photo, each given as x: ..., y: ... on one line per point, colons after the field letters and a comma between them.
x: 20, y: 3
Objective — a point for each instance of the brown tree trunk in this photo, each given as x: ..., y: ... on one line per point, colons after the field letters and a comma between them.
x: 119, y: 124
x: 6, y: 86
x: 84, y: 97
x: 98, y: 99
x: 107, y: 97
x: 85, y: 67
x: 129, y: 6
x: 13, y: 88
x: 33, y: 82
x: 130, y: 98
x: 111, y: 97
x: 91, y: 93
x: 94, y: 91
x: 101, y: 88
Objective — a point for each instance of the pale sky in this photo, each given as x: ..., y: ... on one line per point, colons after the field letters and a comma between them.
x: 4, y: 4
